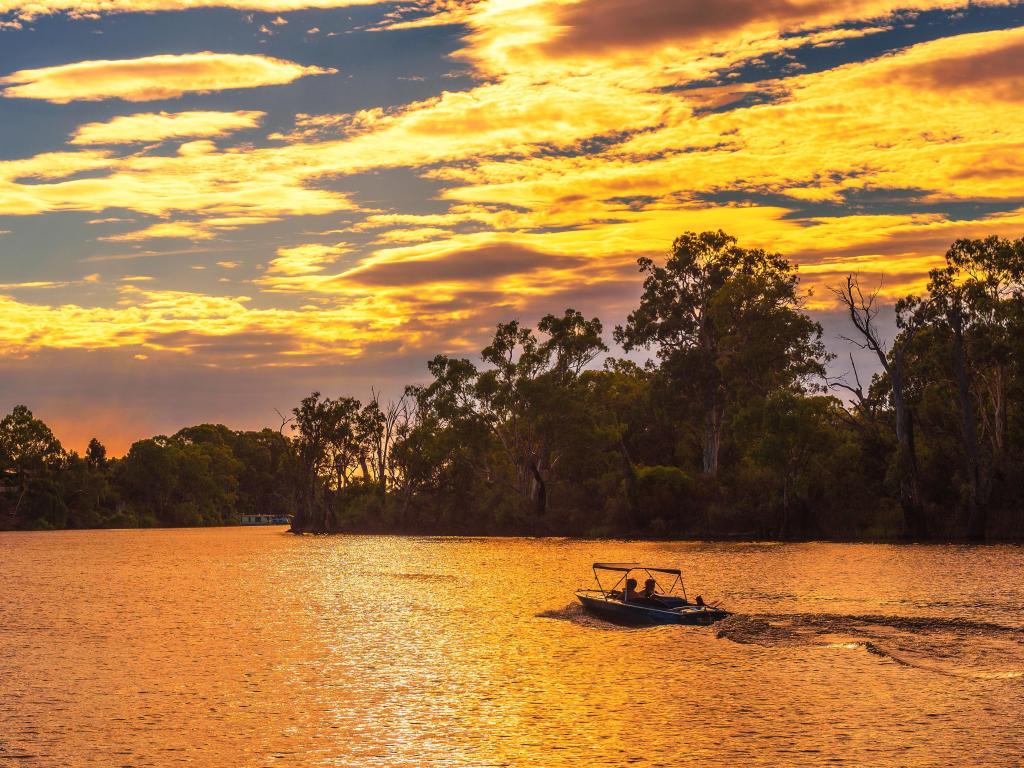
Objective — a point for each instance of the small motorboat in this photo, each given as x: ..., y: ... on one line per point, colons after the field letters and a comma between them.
x: 622, y: 603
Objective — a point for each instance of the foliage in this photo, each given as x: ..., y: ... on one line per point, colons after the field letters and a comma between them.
x: 729, y: 431
x: 727, y: 325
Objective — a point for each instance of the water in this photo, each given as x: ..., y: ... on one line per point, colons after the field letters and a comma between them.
x: 252, y: 647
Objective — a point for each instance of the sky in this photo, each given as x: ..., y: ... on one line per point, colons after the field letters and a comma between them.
x: 210, y: 208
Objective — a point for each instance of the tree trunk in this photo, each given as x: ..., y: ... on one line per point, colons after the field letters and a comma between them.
x: 712, y: 439
x: 996, y: 419
x: 784, y: 524
x: 906, y: 459
x: 539, y: 491
x: 382, y: 467
x: 629, y: 476
x: 977, y: 513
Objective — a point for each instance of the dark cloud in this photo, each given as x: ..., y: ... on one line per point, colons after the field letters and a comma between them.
x: 998, y: 73
x: 935, y: 241
x: 468, y: 266
x: 599, y: 25
x: 230, y: 348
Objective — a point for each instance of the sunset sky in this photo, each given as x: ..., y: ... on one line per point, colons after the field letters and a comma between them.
x: 208, y: 209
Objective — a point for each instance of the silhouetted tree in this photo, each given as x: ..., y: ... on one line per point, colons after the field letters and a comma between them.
x: 726, y: 323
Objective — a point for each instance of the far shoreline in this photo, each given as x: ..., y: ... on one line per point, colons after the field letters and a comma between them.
x: 716, y: 539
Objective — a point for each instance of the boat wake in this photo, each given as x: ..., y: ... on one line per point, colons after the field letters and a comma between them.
x: 981, y: 650
x: 574, y: 612
x: 957, y: 647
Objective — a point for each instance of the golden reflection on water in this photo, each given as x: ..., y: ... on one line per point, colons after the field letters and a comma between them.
x: 251, y: 647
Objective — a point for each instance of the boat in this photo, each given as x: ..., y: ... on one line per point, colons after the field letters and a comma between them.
x: 265, y: 518
x: 664, y: 605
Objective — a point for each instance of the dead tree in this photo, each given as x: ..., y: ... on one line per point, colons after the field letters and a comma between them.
x: 863, y: 311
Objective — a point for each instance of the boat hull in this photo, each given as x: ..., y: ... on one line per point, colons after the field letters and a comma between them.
x: 639, y: 615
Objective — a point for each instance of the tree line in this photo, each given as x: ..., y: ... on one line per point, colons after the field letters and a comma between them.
x: 732, y: 427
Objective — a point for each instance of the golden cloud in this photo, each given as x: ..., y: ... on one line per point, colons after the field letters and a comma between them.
x: 165, y: 76
x: 557, y: 172
x: 159, y: 126
x: 305, y: 259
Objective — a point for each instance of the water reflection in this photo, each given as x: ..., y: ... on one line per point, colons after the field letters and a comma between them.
x: 248, y: 647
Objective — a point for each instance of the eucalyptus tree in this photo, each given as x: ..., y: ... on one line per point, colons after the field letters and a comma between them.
x: 31, y: 456
x: 376, y: 428
x: 863, y: 310
x: 528, y: 396
x: 975, y: 307
x: 727, y: 324
x: 326, y: 452
x: 514, y: 413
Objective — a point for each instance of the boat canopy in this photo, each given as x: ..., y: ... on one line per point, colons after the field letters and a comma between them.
x: 626, y: 567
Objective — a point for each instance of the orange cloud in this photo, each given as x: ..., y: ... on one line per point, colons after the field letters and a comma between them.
x: 150, y: 78
x: 557, y: 172
x: 159, y: 126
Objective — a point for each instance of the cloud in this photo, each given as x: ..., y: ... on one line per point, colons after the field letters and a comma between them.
x: 159, y: 126
x: 973, y: 69
x: 31, y: 9
x: 305, y: 259
x: 150, y: 78
x: 598, y: 25
x: 171, y: 229
x: 554, y: 176
x: 28, y: 284
x: 471, y: 266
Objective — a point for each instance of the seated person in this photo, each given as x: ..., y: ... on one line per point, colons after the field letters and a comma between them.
x: 629, y: 594
x: 647, y: 596
x: 650, y: 588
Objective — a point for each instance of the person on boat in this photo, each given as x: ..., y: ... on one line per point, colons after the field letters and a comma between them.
x: 650, y: 589
x: 630, y: 595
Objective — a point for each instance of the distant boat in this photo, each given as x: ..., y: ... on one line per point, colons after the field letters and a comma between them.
x: 623, y: 603
x: 265, y: 519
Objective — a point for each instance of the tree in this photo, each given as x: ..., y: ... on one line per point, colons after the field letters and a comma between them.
x: 31, y: 454
x: 376, y: 428
x: 146, y: 478
x: 797, y: 453
x: 188, y: 479
x: 727, y: 324
x: 327, y: 450
x: 266, y: 482
x: 512, y: 421
x: 974, y: 303
x: 526, y: 397
x: 96, y: 455
x: 863, y: 311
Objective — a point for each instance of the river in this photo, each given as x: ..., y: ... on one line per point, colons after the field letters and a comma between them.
x: 239, y: 647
